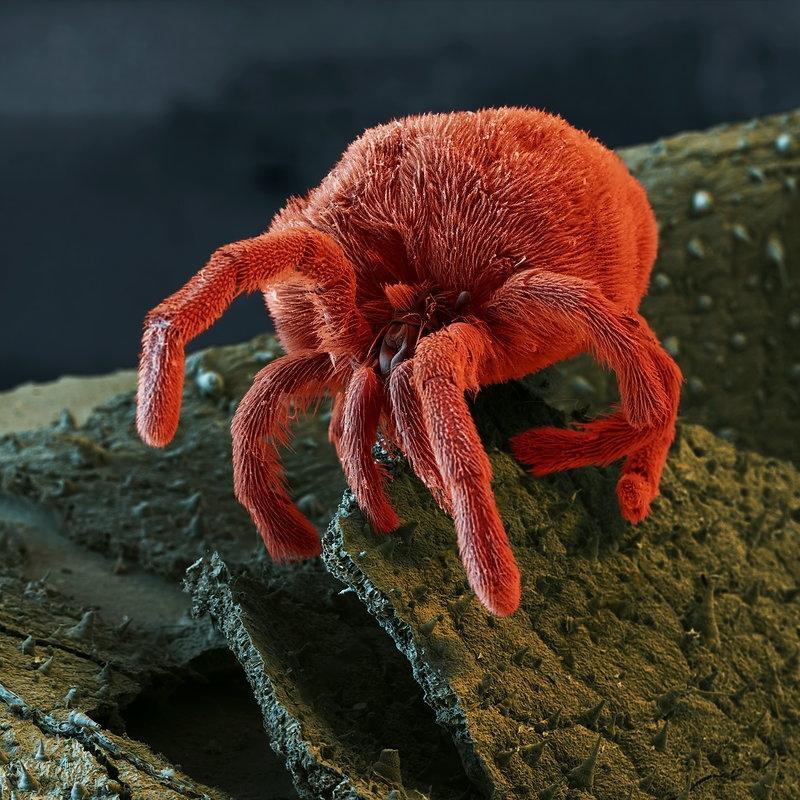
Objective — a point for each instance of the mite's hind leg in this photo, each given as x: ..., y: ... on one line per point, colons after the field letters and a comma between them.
x: 649, y: 380
x: 235, y: 269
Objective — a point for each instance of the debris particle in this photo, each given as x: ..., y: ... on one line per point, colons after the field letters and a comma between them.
x: 672, y: 345
x: 83, y: 628
x: 660, y: 738
x: 740, y: 233
x: 661, y: 281
x: 777, y: 256
x: 738, y: 341
x: 783, y: 143
x: 702, y: 202
x: 695, y: 386
x: 210, y: 383
x: 582, y: 777
x: 704, y: 302
x: 696, y: 248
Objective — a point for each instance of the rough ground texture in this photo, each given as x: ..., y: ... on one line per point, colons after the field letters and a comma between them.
x: 113, y: 524
x: 671, y: 648
x: 62, y: 673
x: 725, y: 292
x: 674, y: 644
x: 339, y: 702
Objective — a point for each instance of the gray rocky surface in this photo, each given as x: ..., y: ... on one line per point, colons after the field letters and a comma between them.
x: 339, y: 702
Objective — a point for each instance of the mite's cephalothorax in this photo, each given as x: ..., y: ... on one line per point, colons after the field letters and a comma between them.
x: 442, y: 253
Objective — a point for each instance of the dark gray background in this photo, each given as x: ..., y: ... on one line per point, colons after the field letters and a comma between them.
x: 135, y: 137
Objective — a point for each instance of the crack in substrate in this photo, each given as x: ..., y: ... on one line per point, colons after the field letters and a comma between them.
x: 336, y: 697
x: 437, y: 692
x: 287, y: 741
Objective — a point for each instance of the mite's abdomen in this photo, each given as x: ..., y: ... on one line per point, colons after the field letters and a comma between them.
x: 463, y: 200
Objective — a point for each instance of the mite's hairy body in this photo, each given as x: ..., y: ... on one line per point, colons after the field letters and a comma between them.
x: 465, y: 200
x: 441, y: 254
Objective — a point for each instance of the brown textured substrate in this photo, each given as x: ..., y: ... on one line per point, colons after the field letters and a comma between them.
x: 64, y: 676
x: 672, y: 645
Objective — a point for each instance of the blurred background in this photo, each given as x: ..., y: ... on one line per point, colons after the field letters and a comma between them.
x: 136, y: 137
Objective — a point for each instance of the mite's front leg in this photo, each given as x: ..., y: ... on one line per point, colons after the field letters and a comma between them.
x: 360, y: 414
x: 410, y: 426
x: 246, y: 266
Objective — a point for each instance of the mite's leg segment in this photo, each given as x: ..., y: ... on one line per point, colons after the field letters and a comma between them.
x: 596, y: 443
x: 233, y: 270
x: 444, y: 367
x: 641, y: 475
x: 410, y: 428
x: 361, y: 412
x: 641, y: 471
x: 335, y: 424
x: 259, y: 425
x: 536, y: 305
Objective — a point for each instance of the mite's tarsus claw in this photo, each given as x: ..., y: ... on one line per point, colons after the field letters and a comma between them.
x: 500, y: 591
x: 634, y: 494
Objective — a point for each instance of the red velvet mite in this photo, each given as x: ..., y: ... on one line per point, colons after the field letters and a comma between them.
x: 443, y: 252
